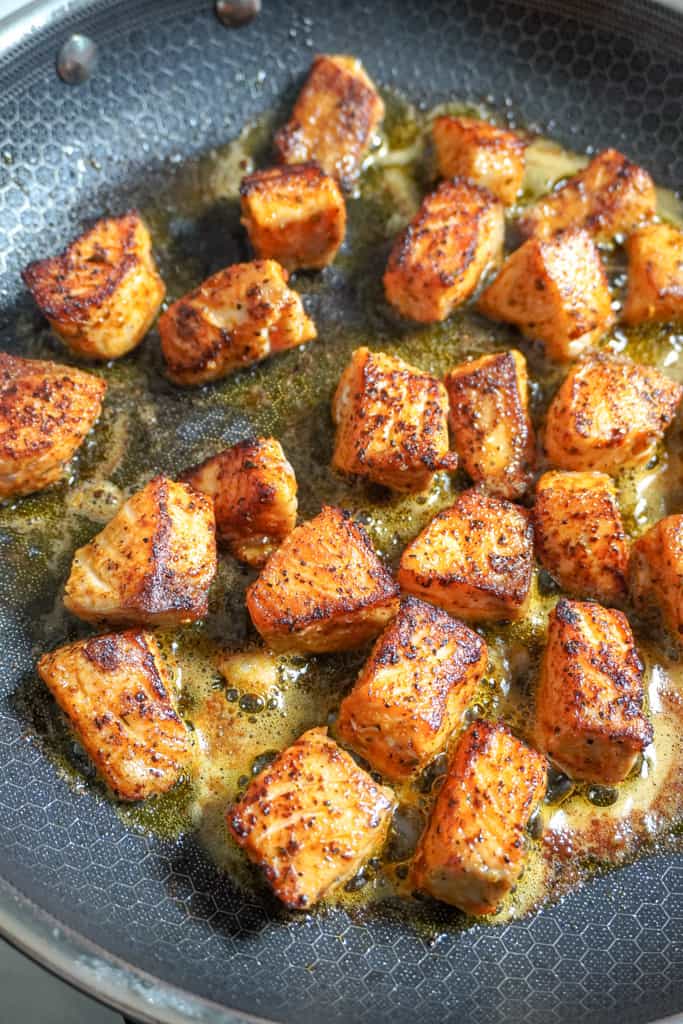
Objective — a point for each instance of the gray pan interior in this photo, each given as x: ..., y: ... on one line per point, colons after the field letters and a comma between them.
x: 77, y: 889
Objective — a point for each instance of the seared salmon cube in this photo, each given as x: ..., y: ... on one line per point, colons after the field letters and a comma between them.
x: 253, y: 488
x: 153, y: 563
x: 334, y: 119
x: 413, y: 690
x: 294, y: 214
x: 237, y: 317
x: 656, y: 571
x: 102, y: 294
x: 117, y: 693
x: 609, y: 413
x: 311, y: 819
x: 469, y: 148
x: 392, y: 424
x: 579, y: 535
x: 589, y: 705
x: 46, y: 411
x: 436, y: 263
x: 324, y: 589
x: 655, y: 275
x: 474, y: 559
x: 554, y: 291
x: 489, y: 418
x: 610, y: 196
x: 473, y: 849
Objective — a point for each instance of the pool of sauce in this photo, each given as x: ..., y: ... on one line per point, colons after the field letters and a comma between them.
x: 245, y: 704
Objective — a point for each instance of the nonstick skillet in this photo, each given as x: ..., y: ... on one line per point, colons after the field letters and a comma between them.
x: 148, y: 924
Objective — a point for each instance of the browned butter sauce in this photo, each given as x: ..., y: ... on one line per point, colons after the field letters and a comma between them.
x: 246, y: 704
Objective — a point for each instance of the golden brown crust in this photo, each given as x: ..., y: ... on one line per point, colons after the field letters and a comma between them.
x: 579, y: 535
x: 555, y: 291
x: 116, y: 692
x: 656, y: 571
x: 474, y: 149
x: 46, y: 410
x: 413, y: 690
x: 610, y: 196
x: 311, y: 820
x: 436, y: 263
x: 655, y: 275
x: 324, y: 589
x: 589, y: 706
x: 489, y: 418
x: 237, y: 317
x: 473, y: 849
x: 474, y: 559
x: 253, y: 488
x: 334, y: 118
x: 391, y: 422
x: 102, y: 293
x: 153, y: 563
x: 294, y: 214
x: 608, y: 413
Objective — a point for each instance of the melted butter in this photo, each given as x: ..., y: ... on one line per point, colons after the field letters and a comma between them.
x: 221, y: 676
x: 296, y: 694
x: 645, y: 802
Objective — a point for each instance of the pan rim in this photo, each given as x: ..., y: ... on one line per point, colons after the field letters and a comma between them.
x: 112, y: 981
x: 38, y: 15
x: 104, y: 977
x: 33, y: 931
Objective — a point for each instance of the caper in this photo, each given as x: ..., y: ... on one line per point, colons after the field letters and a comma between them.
x: 356, y: 883
x: 535, y: 824
x: 406, y: 829
x: 81, y: 761
x: 560, y: 786
x: 252, y: 703
x: 436, y: 769
x: 603, y: 796
x: 232, y: 695
x: 262, y: 761
x: 546, y: 584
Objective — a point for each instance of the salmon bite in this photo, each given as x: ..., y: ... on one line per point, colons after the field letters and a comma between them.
x: 389, y: 618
